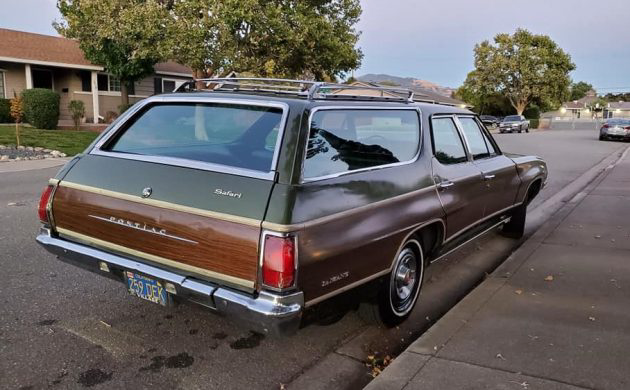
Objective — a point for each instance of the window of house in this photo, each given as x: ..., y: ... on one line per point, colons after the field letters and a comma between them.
x: 447, y: 144
x: 114, y: 84
x: 347, y: 140
x: 42, y: 78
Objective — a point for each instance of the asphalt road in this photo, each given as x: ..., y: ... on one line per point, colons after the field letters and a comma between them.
x: 61, y: 327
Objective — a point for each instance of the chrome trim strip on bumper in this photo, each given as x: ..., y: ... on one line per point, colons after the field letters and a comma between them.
x: 272, y: 313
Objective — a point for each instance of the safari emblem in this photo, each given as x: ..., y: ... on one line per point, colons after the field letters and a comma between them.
x: 147, y: 192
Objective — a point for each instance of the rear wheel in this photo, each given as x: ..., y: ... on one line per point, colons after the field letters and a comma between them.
x: 398, y: 294
x: 601, y: 138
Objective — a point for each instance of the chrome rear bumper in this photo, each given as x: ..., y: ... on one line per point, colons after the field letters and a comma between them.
x: 272, y: 313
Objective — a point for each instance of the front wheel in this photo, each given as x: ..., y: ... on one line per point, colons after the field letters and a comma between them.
x: 399, y: 292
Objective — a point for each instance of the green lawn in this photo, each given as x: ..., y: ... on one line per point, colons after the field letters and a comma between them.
x: 69, y: 142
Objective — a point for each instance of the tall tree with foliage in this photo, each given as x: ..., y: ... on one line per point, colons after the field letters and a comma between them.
x: 579, y: 90
x: 523, y: 67
x: 281, y: 38
x: 127, y: 37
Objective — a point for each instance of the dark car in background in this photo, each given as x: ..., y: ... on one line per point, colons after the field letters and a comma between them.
x: 615, y: 129
x: 512, y: 123
x: 489, y: 120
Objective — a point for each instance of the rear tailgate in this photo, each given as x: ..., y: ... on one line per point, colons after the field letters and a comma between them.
x: 201, y: 223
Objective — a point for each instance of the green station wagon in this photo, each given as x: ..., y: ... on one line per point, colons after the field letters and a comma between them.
x: 260, y: 198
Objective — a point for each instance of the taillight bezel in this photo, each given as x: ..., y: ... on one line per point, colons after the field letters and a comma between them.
x: 52, y: 187
x: 263, y: 240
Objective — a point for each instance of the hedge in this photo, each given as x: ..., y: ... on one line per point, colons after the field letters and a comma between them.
x: 41, y: 108
x: 5, y: 111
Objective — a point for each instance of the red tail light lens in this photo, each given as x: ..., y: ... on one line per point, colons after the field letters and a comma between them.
x: 43, y: 202
x: 278, y: 269
x: 606, y: 126
x: 627, y: 128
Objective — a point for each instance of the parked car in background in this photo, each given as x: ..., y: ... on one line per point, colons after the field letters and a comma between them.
x: 260, y: 203
x: 514, y: 123
x: 489, y: 120
x: 615, y: 129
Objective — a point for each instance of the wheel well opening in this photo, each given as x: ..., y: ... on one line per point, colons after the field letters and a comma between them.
x: 429, y: 237
x: 534, y: 189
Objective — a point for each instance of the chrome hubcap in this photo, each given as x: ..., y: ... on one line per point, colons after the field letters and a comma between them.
x: 405, y: 278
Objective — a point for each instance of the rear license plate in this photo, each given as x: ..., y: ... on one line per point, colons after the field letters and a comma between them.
x: 146, y: 288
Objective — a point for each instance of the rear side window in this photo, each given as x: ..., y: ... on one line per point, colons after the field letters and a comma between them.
x: 347, y: 140
x: 447, y: 144
x: 241, y: 136
x: 476, y: 140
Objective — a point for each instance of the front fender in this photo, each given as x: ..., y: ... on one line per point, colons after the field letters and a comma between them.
x: 530, y: 169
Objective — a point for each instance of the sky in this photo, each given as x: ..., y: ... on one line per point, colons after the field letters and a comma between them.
x: 434, y: 40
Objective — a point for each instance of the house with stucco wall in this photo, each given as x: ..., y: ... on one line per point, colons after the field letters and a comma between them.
x: 29, y: 60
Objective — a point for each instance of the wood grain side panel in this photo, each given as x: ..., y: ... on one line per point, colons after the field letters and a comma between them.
x: 219, y: 246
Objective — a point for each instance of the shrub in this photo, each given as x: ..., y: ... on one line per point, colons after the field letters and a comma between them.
x: 41, y: 107
x: 77, y: 111
x: 123, y: 107
x: 5, y: 111
x: 534, y: 123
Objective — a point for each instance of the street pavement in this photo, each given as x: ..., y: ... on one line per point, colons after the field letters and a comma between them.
x: 553, y: 316
x: 61, y: 327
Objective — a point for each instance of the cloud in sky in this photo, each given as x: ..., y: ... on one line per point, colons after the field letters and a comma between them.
x: 435, y: 40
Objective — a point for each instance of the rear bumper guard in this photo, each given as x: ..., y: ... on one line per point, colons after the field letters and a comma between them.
x: 272, y: 313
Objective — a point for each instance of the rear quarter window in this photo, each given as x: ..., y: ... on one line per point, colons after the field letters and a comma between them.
x: 236, y: 135
x: 347, y: 140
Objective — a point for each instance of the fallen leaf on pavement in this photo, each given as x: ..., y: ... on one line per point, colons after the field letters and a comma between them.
x: 591, y: 318
x: 598, y: 236
x: 499, y: 356
x: 549, y: 278
x: 518, y: 292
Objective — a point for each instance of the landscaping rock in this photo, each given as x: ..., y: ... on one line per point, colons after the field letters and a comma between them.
x: 21, y: 147
x: 12, y: 153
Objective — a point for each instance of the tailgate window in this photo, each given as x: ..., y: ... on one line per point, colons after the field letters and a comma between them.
x: 241, y: 136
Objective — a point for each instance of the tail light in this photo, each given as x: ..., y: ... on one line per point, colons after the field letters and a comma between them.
x: 278, y: 267
x: 605, y: 126
x: 43, y: 203
x: 627, y: 128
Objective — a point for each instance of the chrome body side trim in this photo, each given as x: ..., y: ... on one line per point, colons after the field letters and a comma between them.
x: 273, y: 313
x: 359, y: 108
x: 464, y: 230
x: 506, y: 220
x: 270, y: 175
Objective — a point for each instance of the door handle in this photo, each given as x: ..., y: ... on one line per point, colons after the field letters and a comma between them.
x: 445, y: 184
x: 488, y: 177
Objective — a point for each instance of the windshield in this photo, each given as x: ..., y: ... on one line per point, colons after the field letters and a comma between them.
x: 512, y: 118
x: 241, y: 136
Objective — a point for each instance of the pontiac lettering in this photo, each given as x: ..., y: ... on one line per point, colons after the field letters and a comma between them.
x: 141, y: 226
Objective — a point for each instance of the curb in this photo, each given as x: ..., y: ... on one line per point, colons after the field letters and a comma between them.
x: 410, y: 362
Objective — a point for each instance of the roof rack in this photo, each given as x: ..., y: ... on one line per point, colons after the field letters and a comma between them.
x: 312, y: 90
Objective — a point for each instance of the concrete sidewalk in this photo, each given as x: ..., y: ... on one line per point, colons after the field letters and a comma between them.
x: 555, y: 315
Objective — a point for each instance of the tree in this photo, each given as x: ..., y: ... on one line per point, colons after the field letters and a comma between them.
x: 523, y: 68
x: 17, y: 113
x: 282, y: 38
x: 579, y: 90
x: 127, y: 37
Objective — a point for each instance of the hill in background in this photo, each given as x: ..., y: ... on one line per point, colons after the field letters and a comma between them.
x: 408, y: 82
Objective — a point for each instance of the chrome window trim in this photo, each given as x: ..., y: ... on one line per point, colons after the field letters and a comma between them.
x: 181, y: 162
x: 469, y: 157
x: 461, y: 127
x: 358, y: 107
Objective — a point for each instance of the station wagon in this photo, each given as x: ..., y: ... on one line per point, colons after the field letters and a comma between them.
x: 260, y: 198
